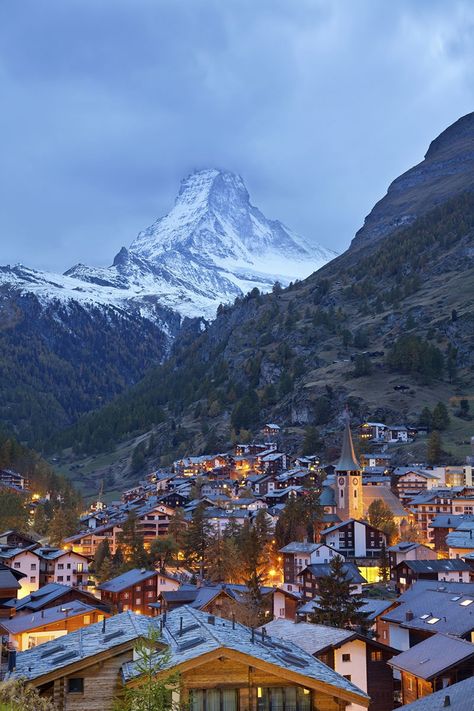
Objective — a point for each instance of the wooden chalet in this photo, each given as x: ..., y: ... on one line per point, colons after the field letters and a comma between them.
x: 222, y: 665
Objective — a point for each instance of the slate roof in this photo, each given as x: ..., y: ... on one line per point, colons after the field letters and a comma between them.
x: 444, y: 520
x: 126, y: 580
x: 327, y: 497
x: 433, y: 656
x: 460, y: 697
x: 436, y: 566
x: 46, y: 595
x: 311, y: 638
x: 297, y: 547
x: 462, y: 537
x: 404, y: 547
x: 211, y: 633
x: 444, y: 609
x: 81, y: 644
x: 319, y: 570
x: 22, y: 623
x: 9, y: 578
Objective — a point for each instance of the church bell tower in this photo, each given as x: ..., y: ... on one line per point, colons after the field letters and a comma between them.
x: 348, y: 480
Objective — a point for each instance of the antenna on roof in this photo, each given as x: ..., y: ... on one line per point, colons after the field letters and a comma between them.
x: 253, y: 635
x: 103, y: 626
x: 180, y: 625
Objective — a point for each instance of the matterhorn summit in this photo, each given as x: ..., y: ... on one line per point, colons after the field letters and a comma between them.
x: 212, y: 246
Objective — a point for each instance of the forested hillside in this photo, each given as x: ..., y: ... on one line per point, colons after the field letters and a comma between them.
x: 397, y: 311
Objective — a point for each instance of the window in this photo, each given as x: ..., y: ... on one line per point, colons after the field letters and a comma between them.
x: 80, y: 567
x: 376, y: 656
x: 32, y: 578
x: 17, y: 565
x: 60, y: 566
x: 75, y: 685
x: 346, y: 657
x: 214, y: 699
x: 87, y: 619
x: 60, y: 578
x: 68, y: 566
x: 289, y: 698
x: 33, y: 566
x: 138, y: 601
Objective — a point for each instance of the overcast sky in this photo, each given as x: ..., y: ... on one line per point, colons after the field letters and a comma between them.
x: 106, y: 104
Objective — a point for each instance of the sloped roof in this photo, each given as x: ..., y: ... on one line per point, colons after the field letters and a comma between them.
x: 47, y: 594
x: 434, y: 655
x: 460, y: 697
x: 436, y: 566
x: 215, y: 634
x: 126, y: 580
x: 370, y: 493
x: 311, y: 638
x: 320, y: 570
x: 348, y: 460
x: 22, y: 623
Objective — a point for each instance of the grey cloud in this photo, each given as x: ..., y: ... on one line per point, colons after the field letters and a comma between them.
x: 106, y: 104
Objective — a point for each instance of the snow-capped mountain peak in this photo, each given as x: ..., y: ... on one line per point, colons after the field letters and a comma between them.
x: 212, y: 246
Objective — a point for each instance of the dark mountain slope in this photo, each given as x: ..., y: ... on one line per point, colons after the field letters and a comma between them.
x: 286, y: 356
x: 447, y: 170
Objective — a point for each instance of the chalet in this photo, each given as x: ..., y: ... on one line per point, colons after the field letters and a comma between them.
x: 262, y: 484
x: 294, y: 477
x: 372, y: 431
x: 174, y: 499
x: 10, y: 584
x: 17, y: 539
x: 226, y: 666
x: 354, y: 539
x: 272, y: 462
x: 134, y: 590
x: 253, y: 449
x: 220, y: 519
x: 271, y: 430
x: 442, y: 524
x: 429, y: 607
x: 63, y: 566
x: 283, y: 495
x: 397, y: 433
x: 457, y: 697
x: 427, y: 505
x: 410, y: 571
x: 26, y: 631
x: 358, y: 658
x: 408, y: 551
x: 410, y: 482
x: 87, y: 542
x: 433, y: 665
x: 375, y: 459
x: 51, y: 595
x: 296, y: 556
x: 461, y: 541
x: 26, y: 561
x: 286, y: 602
x: 14, y: 480
x: 311, y: 575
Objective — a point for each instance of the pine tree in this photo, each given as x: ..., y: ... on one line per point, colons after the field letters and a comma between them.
x: 163, y: 550
x: 384, y: 564
x: 102, y: 553
x: 132, y: 541
x: 197, y: 539
x: 13, y: 512
x: 435, y: 448
x: 440, y: 417
x: 177, y: 528
x: 291, y: 524
x: 338, y: 606
x: 62, y: 525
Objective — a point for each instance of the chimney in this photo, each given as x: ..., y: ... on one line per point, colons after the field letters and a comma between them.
x: 11, y: 660
x: 409, y: 616
x: 447, y: 701
x: 211, y: 620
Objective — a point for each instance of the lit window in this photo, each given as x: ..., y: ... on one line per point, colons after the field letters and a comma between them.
x: 432, y: 621
x: 376, y: 656
x: 465, y: 603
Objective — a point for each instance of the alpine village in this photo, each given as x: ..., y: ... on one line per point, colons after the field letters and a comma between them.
x: 221, y: 498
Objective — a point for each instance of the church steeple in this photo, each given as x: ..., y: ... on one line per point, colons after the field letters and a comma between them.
x: 348, y: 460
x: 348, y: 479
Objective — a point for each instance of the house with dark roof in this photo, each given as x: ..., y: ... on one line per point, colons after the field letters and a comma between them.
x: 409, y: 571
x: 134, y: 590
x: 10, y: 584
x: 297, y: 555
x: 433, y: 665
x: 222, y: 664
x: 359, y: 658
x: 26, y: 631
x: 52, y: 595
x: 408, y: 550
x: 311, y: 575
x: 355, y: 539
x: 429, y: 607
x: 457, y: 697
x: 442, y: 524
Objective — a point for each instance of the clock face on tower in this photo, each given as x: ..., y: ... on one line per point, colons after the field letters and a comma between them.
x: 342, y: 481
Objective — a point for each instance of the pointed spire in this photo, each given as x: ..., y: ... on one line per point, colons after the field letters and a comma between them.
x: 348, y: 460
